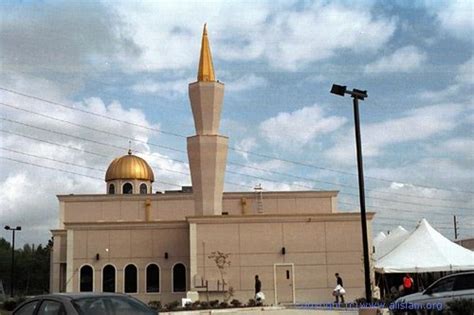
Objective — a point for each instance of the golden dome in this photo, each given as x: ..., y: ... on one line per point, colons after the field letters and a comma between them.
x: 129, y: 167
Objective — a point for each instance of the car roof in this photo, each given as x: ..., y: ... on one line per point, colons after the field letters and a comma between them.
x: 74, y: 296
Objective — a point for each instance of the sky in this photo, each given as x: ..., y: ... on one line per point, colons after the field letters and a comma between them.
x: 80, y: 79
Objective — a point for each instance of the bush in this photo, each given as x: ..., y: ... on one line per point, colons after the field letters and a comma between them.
x: 173, y: 306
x: 251, y: 303
x: 10, y: 304
x: 223, y: 305
x: 204, y: 305
x: 214, y: 303
x: 156, y: 305
x: 461, y: 306
x: 235, y: 303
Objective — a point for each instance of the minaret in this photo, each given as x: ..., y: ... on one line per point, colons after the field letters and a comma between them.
x: 207, y: 150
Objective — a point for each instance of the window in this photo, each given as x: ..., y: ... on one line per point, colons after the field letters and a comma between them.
x: 143, y: 189
x: 86, y: 279
x: 51, y: 308
x: 445, y: 285
x: 179, y: 278
x: 111, y: 189
x: 130, y: 279
x: 152, y: 278
x: 28, y: 308
x: 108, y: 279
x: 127, y: 188
x: 464, y: 282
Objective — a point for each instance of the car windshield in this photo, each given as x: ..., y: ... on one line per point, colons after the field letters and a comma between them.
x: 111, y: 305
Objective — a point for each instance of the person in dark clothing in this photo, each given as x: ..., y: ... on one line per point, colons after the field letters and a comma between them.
x: 339, y: 291
x: 258, y: 285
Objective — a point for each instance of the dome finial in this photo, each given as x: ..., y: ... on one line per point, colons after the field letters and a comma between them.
x: 129, y: 147
x: 206, y: 68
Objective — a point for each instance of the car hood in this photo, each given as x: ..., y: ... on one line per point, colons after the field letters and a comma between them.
x: 411, y: 298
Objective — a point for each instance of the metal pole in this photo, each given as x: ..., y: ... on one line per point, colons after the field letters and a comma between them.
x: 12, y: 268
x: 365, y: 243
x: 455, y: 228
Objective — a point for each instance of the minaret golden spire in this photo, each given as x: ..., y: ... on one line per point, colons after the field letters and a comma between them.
x: 206, y: 69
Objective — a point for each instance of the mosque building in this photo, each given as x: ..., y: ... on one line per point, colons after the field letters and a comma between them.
x: 201, y: 242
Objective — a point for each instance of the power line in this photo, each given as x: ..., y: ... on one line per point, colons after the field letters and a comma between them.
x: 177, y: 150
x: 231, y: 148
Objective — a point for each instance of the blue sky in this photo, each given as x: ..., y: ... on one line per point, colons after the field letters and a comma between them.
x: 133, y: 61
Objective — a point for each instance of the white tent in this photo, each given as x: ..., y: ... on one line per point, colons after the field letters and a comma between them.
x: 378, y: 239
x: 395, y: 237
x: 426, y: 250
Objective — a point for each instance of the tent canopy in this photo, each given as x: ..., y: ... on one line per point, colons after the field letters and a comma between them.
x: 426, y: 250
x: 395, y: 237
x: 378, y: 239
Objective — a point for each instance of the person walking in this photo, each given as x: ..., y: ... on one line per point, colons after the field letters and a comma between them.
x: 258, y: 285
x: 339, y: 291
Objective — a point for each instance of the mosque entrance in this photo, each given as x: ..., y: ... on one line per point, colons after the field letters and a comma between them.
x: 284, y: 283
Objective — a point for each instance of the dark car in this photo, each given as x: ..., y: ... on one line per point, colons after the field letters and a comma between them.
x: 83, y: 304
x: 434, y: 298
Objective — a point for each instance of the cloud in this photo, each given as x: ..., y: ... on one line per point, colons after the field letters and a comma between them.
x: 416, y: 124
x: 244, y: 83
x: 27, y: 192
x: 406, y: 59
x: 245, y: 145
x: 456, y: 18
x: 466, y: 72
x: 281, y: 34
x: 168, y: 88
x: 295, y: 129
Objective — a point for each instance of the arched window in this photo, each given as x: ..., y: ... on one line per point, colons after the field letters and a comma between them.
x: 179, y: 278
x: 108, y: 279
x: 131, y: 279
x: 127, y: 188
x: 111, y: 189
x: 86, y: 279
x: 143, y: 189
x: 153, y: 278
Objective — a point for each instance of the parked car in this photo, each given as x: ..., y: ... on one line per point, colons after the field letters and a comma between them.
x: 435, y: 297
x: 83, y: 304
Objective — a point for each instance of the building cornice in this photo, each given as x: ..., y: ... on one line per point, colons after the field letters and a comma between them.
x: 135, y: 225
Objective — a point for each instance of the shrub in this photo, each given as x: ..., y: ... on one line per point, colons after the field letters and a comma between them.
x: 235, y: 303
x: 214, y: 303
x: 224, y: 305
x: 173, y: 306
x: 252, y: 303
x: 204, y: 305
x: 156, y: 305
x: 9, y: 304
x: 461, y: 306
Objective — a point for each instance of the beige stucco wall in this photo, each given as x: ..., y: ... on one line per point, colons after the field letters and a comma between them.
x: 130, y: 243
x: 178, y: 206
x: 318, y: 246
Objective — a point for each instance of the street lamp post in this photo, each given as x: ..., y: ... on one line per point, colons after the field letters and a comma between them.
x: 12, y: 267
x: 356, y: 96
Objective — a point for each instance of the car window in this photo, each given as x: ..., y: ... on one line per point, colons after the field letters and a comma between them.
x: 91, y: 306
x: 128, y: 305
x: 444, y: 285
x: 27, y: 309
x: 51, y: 308
x: 464, y: 282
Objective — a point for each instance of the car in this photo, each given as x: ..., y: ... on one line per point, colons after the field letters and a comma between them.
x: 83, y: 304
x: 435, y: 297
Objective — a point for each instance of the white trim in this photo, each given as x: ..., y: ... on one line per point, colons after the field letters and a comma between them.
x: 185, y: 279
x: 79, y: 278
x: 138, y: 278
x: 275, y: 281
x: 146, y: 278
x: 102, y: 277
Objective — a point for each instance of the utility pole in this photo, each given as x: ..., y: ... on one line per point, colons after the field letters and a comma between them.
x: 455, y: 228
x: 356, y: 96
x: 12, y: 267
